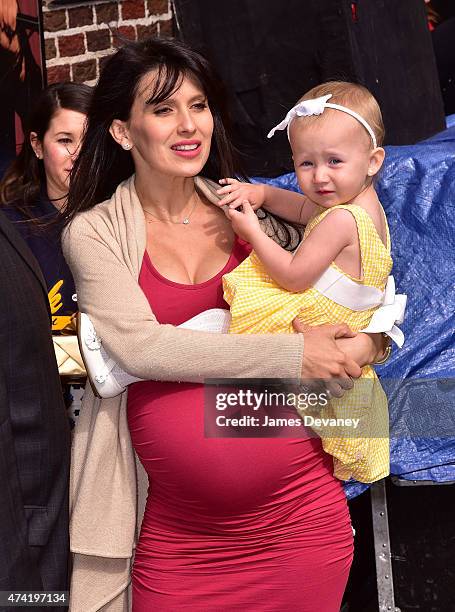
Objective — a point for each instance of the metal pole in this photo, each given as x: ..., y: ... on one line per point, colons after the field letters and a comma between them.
x: 383, y: 555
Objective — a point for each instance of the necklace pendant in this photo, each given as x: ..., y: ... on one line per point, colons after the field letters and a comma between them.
x: 185, y: 221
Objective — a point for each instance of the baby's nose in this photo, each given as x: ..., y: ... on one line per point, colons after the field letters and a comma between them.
x: 320, y: 174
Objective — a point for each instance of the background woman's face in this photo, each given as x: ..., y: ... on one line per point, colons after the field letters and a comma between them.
x: 59, y: 149
x: 173, y: 137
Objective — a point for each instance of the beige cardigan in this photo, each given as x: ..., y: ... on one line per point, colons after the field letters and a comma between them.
x: 104, y: 248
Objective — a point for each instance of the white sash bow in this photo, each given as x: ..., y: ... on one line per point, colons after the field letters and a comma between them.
x: 344, y: 291
x: 341, y: 290
x: 391, y: 313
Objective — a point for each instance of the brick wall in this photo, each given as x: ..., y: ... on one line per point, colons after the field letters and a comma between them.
x: 78, y: 38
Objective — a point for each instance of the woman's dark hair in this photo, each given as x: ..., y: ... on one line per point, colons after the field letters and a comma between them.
x: 25, y: 177
x: 102, y: 164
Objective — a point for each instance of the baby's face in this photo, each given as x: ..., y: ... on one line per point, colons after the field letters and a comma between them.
x: 331, y: 158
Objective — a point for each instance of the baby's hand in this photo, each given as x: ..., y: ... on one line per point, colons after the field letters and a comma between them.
x: 235, y: 193
x: 244, y: 223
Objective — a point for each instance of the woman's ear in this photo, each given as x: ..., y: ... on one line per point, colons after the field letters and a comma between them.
x: 37, y: 145
x: 377, y: 156
x: 120, y: 134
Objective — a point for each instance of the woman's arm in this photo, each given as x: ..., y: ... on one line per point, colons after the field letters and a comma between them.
x: 109, y: 293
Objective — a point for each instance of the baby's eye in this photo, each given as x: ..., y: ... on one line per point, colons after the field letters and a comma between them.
x: 306, y: 164
x: 334, y: 161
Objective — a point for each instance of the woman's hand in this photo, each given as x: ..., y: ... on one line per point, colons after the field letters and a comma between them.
x: 323, y: 360
x: 365, y: 349
x: 235, y: 193
x: 244, y: 223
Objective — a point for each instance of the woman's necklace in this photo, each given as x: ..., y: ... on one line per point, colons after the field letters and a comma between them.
x: 185, y: 220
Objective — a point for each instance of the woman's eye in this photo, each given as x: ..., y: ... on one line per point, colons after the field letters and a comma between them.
x: 162, y: 111
x: 200, y: 105
x: 65, y: 140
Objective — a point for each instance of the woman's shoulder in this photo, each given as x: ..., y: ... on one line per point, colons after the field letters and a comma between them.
x: 93, y: 215
x: 102, y: 214
x: 119, y: 215
x: 85, y: 223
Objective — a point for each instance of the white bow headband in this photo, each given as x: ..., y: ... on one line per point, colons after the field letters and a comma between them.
x: 316, y: 106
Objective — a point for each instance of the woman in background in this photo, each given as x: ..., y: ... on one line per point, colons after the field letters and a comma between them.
x: 34, y: 188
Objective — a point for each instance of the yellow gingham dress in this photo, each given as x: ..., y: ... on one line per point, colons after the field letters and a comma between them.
x: 259, y: 305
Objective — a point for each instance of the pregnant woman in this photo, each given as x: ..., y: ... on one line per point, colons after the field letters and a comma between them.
x: 229, y: 523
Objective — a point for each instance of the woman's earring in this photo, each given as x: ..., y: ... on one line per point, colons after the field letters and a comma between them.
x: 127, y: 146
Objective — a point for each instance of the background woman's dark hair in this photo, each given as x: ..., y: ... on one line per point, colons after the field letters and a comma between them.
x: 25, y: 177
x: 102, y: 164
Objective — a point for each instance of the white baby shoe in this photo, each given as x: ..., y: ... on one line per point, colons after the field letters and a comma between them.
x: 97, y: 362
x: 104, y: 374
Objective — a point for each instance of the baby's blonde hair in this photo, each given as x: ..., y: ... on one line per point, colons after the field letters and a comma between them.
x: 353, y: 96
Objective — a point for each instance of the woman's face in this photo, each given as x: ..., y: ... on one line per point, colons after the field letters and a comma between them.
x: 172, y: 138
x: 59, y: 149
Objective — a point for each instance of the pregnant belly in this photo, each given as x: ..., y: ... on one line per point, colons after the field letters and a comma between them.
x: 213, y: 479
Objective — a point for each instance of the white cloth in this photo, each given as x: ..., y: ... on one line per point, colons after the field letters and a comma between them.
x: 389, y: 315
x: 344, y: 291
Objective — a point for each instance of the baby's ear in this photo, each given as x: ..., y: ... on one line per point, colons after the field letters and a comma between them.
x: 377, y: 156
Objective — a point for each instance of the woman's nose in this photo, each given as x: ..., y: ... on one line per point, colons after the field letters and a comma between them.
x: 186, y: 123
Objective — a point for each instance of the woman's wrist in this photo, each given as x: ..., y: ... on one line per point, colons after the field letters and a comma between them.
x: 364, y: 349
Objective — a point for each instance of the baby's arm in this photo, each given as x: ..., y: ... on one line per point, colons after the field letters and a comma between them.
x: 288, y: 205
x: 298, y: 272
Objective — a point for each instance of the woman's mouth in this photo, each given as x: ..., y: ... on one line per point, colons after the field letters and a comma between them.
x: 187, y: 149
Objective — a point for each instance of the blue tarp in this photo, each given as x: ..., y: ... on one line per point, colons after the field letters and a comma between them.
x: 417, y: 190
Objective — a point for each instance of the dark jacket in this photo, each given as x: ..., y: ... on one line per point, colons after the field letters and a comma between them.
x: 34, y: 432
x: 44, y: 241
